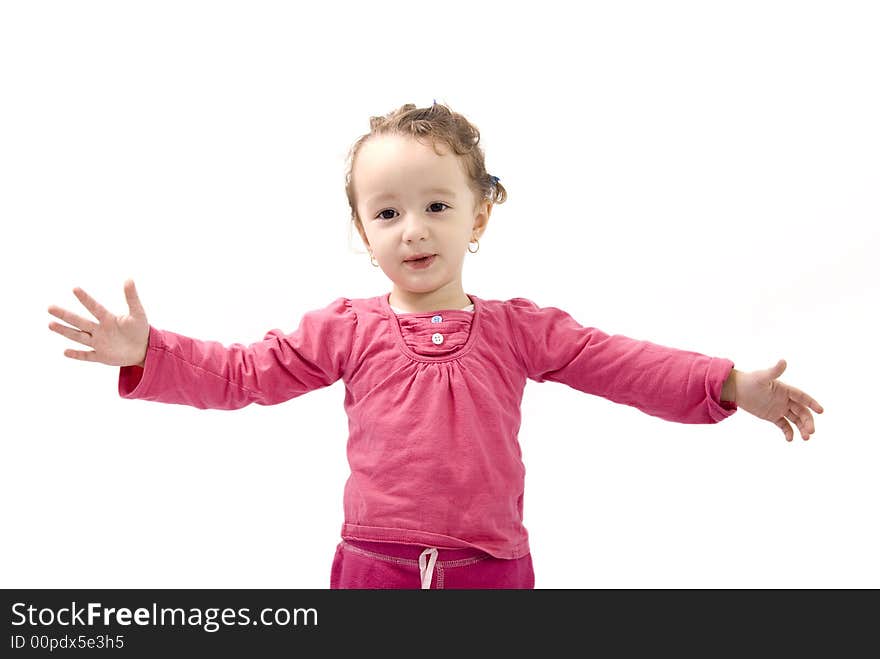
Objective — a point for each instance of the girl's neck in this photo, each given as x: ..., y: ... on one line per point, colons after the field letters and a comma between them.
x: 428, y: 303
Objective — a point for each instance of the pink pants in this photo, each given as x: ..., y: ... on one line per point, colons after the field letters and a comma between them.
x: 359, y: 564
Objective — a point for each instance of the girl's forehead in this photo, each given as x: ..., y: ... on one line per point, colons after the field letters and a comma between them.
x: 394, y: 160
x: 406, y: 147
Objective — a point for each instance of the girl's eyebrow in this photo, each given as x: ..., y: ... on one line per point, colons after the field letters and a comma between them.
x: 438, y: 190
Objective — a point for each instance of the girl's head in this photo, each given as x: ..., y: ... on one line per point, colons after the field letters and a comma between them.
x: 417, y: 183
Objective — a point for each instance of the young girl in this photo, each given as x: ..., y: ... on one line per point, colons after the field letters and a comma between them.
x: 433, y: 376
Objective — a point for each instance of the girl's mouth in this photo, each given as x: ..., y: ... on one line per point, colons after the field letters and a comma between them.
x: 420, y: 264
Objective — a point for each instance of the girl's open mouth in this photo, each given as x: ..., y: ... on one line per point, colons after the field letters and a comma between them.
x: 419, y: 264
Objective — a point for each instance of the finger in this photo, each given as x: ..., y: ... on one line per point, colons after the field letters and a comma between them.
x: 805, y: 416
x: 786, y: 428
x: 793, y: 416
x: 75, y: 335
x: 82, y: 355
x: 134, y: 303
x: 90, y: 303
x: 73, y: 319
x: 799, y: 422
x: 803, y: 398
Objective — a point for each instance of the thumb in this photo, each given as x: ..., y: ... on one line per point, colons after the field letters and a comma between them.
x: 134, y: 304
x: 777, y: 370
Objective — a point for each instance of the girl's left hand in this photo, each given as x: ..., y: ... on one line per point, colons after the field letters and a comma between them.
x: 761, y: 394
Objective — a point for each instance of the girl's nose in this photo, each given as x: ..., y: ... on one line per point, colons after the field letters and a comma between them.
x: 415, y: 223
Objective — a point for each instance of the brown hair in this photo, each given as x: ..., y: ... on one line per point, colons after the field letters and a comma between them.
x: 439, y: 124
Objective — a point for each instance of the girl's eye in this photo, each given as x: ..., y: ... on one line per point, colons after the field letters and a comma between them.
x: 389, y: 210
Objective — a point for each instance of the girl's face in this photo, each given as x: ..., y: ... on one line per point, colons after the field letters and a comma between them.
x: 411, y: 201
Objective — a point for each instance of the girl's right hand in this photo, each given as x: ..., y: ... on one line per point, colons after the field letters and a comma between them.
x: 116, y: 340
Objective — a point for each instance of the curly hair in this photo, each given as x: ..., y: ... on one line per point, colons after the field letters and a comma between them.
x: 439, y: 124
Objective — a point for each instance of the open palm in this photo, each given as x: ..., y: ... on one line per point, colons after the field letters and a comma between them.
x: 115, y: 340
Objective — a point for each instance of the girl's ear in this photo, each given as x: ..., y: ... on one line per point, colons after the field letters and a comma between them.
x: 482, y: 217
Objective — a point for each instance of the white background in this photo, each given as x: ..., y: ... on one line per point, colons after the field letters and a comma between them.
x: 701, y: 175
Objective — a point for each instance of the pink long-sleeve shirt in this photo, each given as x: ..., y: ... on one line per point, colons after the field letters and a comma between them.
x: 433, y: 401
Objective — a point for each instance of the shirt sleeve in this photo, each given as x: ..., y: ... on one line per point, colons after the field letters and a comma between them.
x: 672, y: 384
x: 206, y: 374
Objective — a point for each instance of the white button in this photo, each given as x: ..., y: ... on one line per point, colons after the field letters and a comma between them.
x: 437, y: 338
x: 437, y: 319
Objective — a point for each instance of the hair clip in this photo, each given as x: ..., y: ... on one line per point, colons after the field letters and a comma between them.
x: 495, y: 179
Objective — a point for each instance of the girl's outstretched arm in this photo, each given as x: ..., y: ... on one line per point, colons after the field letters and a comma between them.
x: 673, y: 384
x: 209, y: 375
x: 167, y: 367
